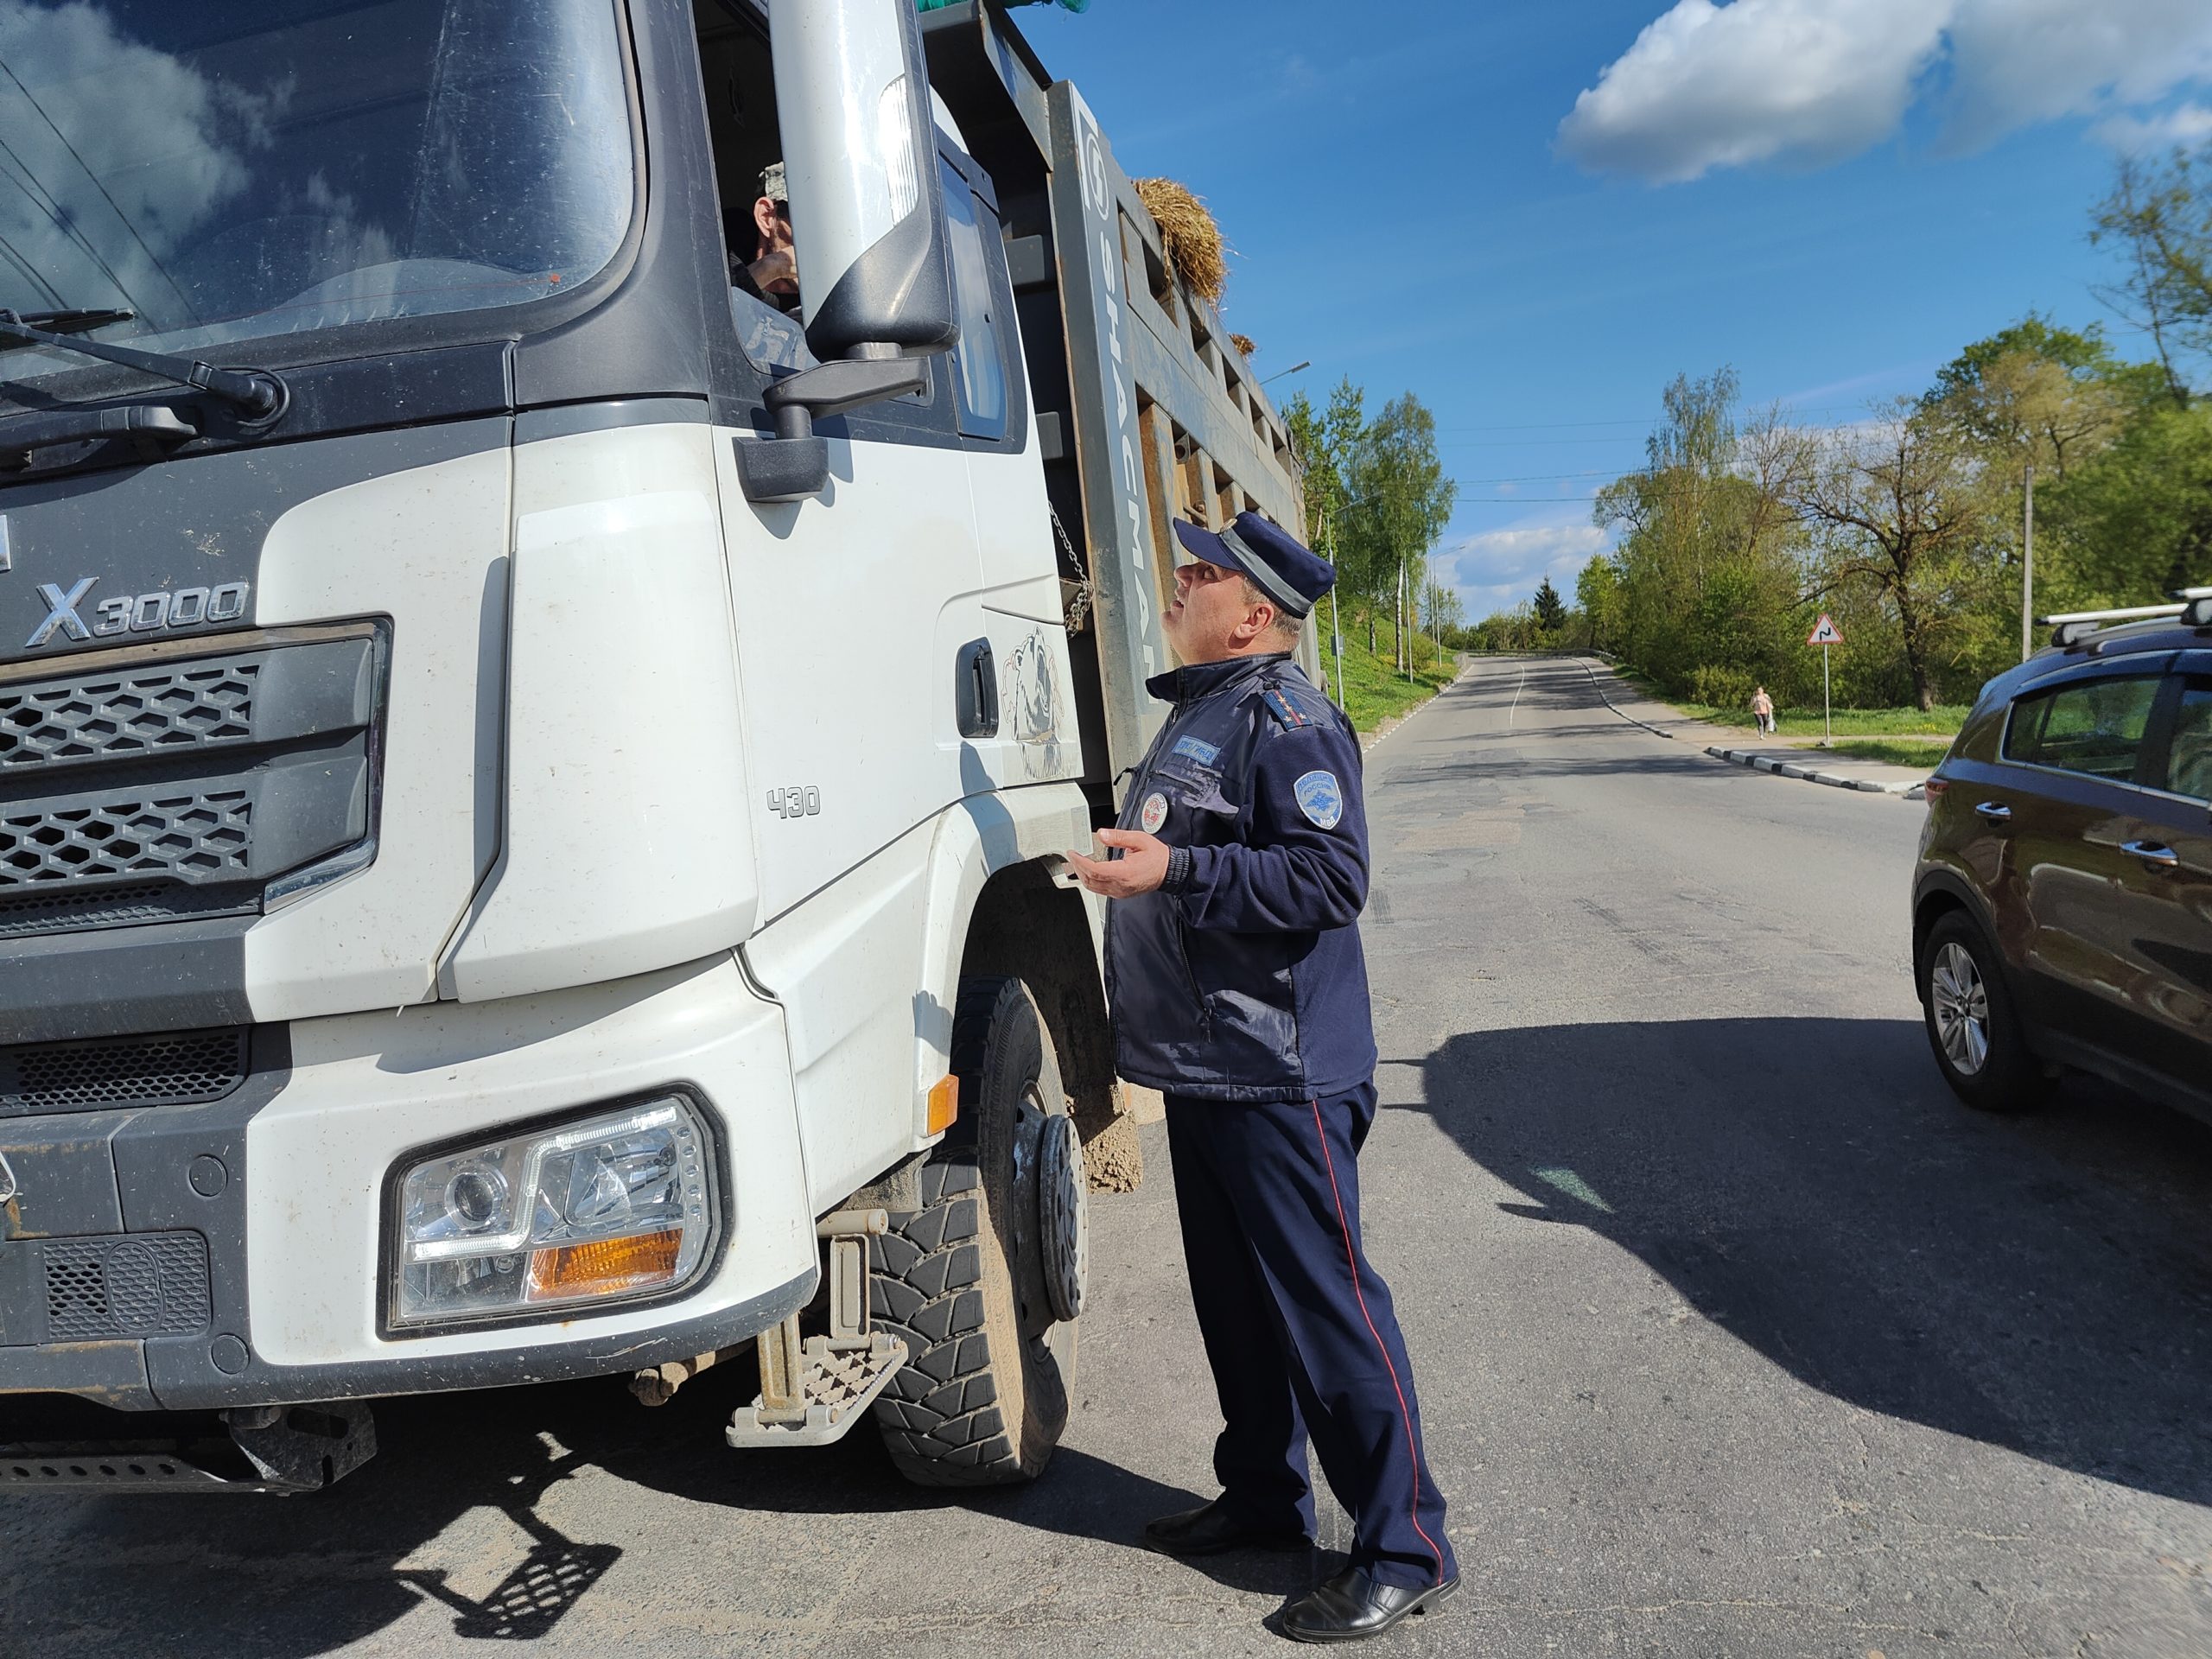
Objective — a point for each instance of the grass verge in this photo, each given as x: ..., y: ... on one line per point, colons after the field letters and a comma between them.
x: 1893, y: 752
x: 1942, y: 720
x: 1374, y: 689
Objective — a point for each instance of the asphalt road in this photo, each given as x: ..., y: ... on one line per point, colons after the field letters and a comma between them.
x: 1734, y: 1334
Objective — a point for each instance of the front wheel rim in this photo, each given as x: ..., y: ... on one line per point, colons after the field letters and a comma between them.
x: 1959, y: 1001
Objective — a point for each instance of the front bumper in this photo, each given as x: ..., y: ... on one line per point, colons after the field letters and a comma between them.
x: 232, y: 1253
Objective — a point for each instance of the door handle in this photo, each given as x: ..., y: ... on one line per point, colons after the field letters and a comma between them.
x: 975, y: 690
x: 2154, y: 853
x: 1994, y: 812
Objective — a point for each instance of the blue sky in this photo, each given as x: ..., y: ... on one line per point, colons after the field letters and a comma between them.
x: 1832, y: 196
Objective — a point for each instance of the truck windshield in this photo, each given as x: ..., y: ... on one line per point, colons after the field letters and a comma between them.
x: 255, y: 167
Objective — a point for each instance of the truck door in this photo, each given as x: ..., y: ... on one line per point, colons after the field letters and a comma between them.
x: 852, y: 612
x: 1035, y: 739
x: 851, y: 608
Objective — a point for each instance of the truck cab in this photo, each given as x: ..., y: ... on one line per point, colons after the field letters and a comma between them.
x: 531, y: 778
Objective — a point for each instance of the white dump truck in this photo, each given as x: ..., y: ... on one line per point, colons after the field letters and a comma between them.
x: 531, y: 778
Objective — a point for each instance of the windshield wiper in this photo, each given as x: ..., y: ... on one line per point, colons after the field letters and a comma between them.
x: 82, y: 320
x: 262, y: 395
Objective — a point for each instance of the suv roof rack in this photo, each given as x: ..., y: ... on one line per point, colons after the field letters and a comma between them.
x: 2193, y: 607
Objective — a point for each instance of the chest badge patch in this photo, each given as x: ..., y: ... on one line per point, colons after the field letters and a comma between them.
x: 1319, y: 798
x: 1153, y: 815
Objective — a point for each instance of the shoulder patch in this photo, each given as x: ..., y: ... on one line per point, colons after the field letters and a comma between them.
x: 1320, y: 799
x: 1288, y: 714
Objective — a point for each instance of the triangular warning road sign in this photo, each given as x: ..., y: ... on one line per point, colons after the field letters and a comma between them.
x: 1824, y: 632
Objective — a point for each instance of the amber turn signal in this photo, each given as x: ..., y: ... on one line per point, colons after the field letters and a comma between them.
x: 606, y: 1266
x: 944, y: 1105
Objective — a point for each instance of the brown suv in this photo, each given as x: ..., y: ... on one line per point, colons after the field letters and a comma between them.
x: 2061, y: 906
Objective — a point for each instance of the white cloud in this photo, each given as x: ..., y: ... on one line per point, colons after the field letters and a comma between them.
x: 130, y: 148
x: 1497, y: 570
x: 2185, y: 124
x: 1804, y: 83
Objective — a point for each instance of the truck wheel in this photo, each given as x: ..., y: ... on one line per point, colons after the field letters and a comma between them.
x: 1971, y: 1025
x: 985, y: 1281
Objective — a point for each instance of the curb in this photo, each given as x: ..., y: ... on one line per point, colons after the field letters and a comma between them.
x: 1598, y: 686
x: 1766, y: 763
x: 1369, y: 739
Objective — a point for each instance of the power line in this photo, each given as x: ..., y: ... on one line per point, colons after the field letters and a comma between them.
x: 1540, y: 478
x: 1636, y: 420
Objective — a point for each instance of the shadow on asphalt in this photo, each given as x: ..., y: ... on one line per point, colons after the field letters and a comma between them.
x: 287, y: 1578
x: 2041, y: 1283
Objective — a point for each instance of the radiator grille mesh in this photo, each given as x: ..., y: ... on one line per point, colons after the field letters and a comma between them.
x: 170, y: 1069
x: 194, y: 837
x: 141, y: 1285
x: 118, y: 715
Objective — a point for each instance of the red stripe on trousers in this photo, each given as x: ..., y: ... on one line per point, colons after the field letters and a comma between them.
x: 1353, y: 1260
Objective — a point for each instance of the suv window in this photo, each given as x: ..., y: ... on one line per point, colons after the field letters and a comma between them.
x: 2189, y: 757
x: 2095, y: 727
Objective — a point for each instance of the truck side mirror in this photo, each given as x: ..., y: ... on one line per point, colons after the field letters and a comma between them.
x: 859, y: 156
x: 859, y: 152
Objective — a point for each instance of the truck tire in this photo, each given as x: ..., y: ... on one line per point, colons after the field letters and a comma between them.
x: 965, y: 1279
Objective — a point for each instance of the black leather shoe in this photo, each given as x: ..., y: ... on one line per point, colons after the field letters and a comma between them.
x: 1207, y: 1530
x: 1351, y: 1607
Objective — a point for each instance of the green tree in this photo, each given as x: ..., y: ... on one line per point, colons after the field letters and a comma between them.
x: 1550, y: 609
x: 1401, y: 501
x: 2033, y: 394
x: 1598, y: 597
x: 1707, y: 572
x: 2157, y: 217
x: 1897, y: 513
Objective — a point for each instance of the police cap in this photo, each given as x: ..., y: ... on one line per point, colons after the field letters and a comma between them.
x: 1286, y: 572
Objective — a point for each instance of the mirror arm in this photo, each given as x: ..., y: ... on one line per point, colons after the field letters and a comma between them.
x: 794, y: 464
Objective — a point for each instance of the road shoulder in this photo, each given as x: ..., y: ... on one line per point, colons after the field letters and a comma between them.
x: 1723, y: 743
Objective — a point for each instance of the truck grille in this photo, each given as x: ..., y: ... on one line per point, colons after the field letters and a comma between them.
x: 167, y: 1069
x: 89, y: 717
x: 139, y: 1285
x: 176, y: 787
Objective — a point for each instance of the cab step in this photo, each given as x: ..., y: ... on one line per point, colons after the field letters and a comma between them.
x: 813, y: 1389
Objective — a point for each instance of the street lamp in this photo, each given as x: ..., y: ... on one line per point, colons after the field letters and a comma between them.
x: 1292, y: 369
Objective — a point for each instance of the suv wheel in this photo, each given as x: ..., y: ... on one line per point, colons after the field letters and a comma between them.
x: 1972, y: 1025
x: 985, y: 1281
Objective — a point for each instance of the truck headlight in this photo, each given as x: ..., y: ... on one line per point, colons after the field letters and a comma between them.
x: 616, y: 1206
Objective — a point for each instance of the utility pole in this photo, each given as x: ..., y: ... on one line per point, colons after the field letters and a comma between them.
x: 1336, y: 615
x: 2028, y: 567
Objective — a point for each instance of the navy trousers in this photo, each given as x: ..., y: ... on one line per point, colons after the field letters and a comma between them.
x: 1299, y: 1330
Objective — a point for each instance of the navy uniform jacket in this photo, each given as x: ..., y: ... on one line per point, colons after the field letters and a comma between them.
x: 1243, y: 978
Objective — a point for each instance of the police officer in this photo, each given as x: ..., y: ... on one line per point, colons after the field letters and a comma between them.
x: 1238, y: 989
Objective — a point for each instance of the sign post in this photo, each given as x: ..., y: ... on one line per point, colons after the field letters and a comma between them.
x: 1824, y: 634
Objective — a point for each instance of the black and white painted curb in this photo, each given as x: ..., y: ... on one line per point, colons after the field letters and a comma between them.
x: 1782, y: 769
x: 1762, y: 762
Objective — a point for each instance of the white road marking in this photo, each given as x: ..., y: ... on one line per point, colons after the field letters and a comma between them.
x: 1516, y: 708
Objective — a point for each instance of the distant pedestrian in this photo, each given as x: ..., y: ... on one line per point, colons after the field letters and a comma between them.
x: 1763, y: 709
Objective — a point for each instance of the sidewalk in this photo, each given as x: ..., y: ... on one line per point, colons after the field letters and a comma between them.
x: 1742, y: 748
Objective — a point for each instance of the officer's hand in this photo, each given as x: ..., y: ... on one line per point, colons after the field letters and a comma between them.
x: 1141, y: 868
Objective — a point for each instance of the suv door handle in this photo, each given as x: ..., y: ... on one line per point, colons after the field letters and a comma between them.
x: 1994, y: 812
x: 2155, y: 853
